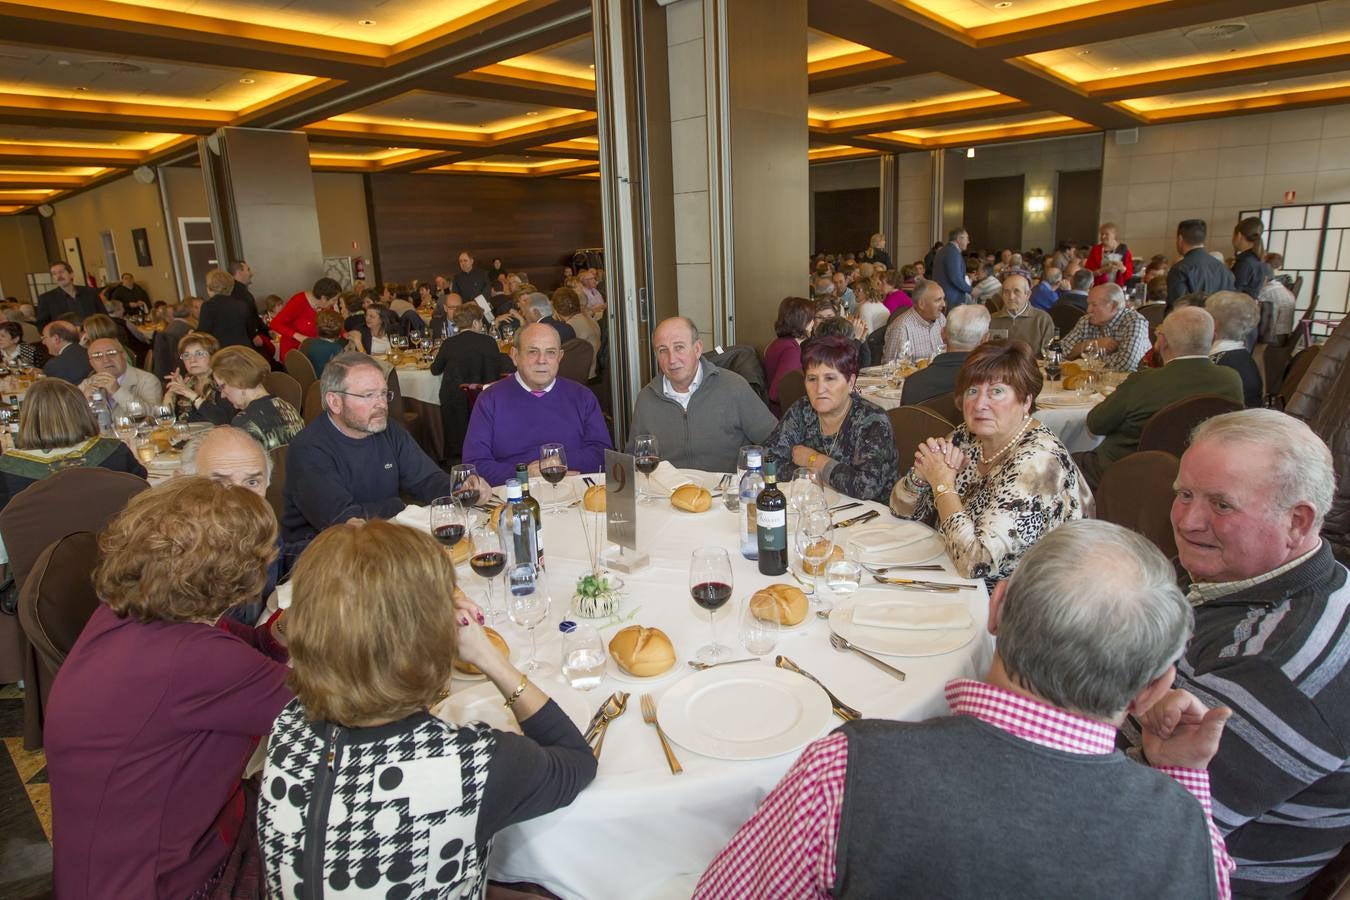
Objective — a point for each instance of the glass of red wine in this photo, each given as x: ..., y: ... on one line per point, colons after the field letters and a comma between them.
x: 488, y: 561
x: 710, y: 585
x: 646, y: 457
x: 553, y: 465
x: 448, y: 522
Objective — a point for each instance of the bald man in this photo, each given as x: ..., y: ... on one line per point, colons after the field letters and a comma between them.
x: 1183, y: 345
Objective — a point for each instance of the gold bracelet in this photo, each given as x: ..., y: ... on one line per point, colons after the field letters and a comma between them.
x: 520, y: 689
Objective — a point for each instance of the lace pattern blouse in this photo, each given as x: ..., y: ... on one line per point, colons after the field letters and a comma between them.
x: 1034, y: 489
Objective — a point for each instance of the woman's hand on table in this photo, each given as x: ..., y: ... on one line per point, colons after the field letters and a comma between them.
x: 808, y: 458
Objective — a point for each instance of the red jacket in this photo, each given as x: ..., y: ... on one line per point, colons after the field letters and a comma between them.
x: 1094, y: 262
x: 295, y: 322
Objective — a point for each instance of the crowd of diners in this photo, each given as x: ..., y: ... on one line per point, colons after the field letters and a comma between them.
x: 1223, y: 673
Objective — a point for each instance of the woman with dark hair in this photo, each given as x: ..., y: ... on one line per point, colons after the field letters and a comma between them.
x: 163, y: 698
x: 58, y: 431
x: 13, y: 351
x: 372, y: 337
x: 844, y: 440
x: 1001, y: 480
x: 795, y: 315
x: 1249, y: 272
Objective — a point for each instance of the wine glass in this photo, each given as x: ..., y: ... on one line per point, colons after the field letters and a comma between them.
x: 1087, y: 385
x: 528, y: 609
x: 488, y: 561
x: 815, y: 543
x: 759, y: 628
x: 448, y: 521
x: 163, y: 414
x: 804, y: 493
x: 145, y: 449
x: 646, y: 457
x: 460, y: 476
x: 553, y: 465
x: 124, y: 427
x: 710, y: 585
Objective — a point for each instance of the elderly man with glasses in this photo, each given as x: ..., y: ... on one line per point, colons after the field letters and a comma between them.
x: 352, y: 462
x: 121, y: 383
x: 514, y: 416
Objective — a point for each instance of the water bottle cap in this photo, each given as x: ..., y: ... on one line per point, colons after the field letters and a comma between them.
x: 752, y: 460
x: 567, y: 627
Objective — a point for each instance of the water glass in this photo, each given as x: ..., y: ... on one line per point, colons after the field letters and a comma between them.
x: 583, y: 655
x: 1087, y: 385
x: 815, y: 544
x: 163, y: 414
x: 843, y: 576
x: 759, y: 631
x: 145, y: 449
x: 529, y: 610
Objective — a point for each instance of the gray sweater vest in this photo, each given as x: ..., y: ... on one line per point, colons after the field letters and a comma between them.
x: 954, y: 807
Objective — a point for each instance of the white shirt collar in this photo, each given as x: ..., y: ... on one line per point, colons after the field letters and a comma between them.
x: 1222, y: 346
x: 679, y: 397
x: 1192, y: 356
x: 521, y: 381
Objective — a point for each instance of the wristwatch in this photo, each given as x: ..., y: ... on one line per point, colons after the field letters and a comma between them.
x: 940, y: 489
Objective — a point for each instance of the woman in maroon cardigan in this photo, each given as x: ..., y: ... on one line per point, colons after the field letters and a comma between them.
x: 157, y: 709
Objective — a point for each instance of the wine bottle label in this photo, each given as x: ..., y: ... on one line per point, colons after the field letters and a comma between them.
x: 772, y: 518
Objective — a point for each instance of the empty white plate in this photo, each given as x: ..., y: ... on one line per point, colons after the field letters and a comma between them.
x: 752, y: 711
x: 899, y: 641
x: 483, y: 703
x: 895, y: 543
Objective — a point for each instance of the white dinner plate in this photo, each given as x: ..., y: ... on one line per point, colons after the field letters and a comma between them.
x: 752, y: 711
x: 871, y: 544
x: 543, y: 492
x: 886, y: 393
x: 483, y: 703
x: 875, y: 370
x: 898, y: 641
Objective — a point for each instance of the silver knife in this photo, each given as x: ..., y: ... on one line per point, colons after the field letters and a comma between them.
x: 923, y: 585
x: 856, y: 520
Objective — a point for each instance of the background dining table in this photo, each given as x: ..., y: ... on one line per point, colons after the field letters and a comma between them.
x: 639, y: 831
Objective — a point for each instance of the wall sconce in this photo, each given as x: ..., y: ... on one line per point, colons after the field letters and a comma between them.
x: 970, y: 153
x: 1038, y: 204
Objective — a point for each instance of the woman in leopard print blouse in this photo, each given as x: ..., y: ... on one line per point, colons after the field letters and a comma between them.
x: 1000, y: 481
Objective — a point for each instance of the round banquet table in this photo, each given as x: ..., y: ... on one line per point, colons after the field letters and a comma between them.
x: 1069, y: 423
x: 639, y: 831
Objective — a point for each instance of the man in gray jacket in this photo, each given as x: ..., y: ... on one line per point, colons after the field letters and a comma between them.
x: 701, y: 415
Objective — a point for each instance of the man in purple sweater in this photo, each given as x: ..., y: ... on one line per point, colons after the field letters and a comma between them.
x: 514, y: 416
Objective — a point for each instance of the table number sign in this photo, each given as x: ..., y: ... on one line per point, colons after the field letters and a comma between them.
x: 621, y: 512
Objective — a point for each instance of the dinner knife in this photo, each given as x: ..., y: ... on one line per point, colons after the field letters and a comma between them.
x: 924, y: 585
x: 856, y: 520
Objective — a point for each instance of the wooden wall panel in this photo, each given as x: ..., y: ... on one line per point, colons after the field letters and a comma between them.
x: 419, y: 223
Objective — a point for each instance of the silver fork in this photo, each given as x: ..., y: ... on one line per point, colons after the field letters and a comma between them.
x: 649, y: 716
x: 843, y: 645
x: 841, y: 709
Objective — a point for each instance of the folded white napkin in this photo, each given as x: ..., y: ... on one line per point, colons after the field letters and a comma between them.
x: 667, y: 478
x: 414, y: 516
x: 881, y: 538
x: 911, y: 616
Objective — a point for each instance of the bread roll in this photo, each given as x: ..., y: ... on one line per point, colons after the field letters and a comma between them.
x: 782, y: 603
x: 819, y: 568
x: 643, y: 652
x: 691, y: 498
x: 497, y: 641
x: 1073, y: 382
x: 1070, y: 369
x: 594, y: 498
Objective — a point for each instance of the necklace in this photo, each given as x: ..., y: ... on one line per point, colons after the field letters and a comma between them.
x: 988, y: 463
x: 833, y: 447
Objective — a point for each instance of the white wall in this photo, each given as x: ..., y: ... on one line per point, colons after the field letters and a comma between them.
x: 1215, y: 169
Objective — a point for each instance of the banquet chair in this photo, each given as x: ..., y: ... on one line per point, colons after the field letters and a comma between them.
x: 55, y: 602
x: 1065, y: 315
x: 1169, y: 429
x: 276, y: 485
x: 313, y: 406
x: 576, y: 361
x: 944, y: 405
x: 30, y: 333
x: 911, y: 426
x: 791, y: 388
x: 301, y: 369
x: 408, y: 418
x: 1136, y: 493
x: 83, y: 499
x: 1298, y: 367
x: 279, y: 384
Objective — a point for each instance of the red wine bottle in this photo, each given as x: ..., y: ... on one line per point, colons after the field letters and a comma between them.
x: 771, y: 525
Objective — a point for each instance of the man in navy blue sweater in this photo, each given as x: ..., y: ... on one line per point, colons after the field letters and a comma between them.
x: 950, y: 269
x: 351, y: 462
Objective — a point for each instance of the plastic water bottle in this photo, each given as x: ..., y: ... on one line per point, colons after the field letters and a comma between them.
x: 752, y: 482
x: 98, y: 405
x: 519, y: 541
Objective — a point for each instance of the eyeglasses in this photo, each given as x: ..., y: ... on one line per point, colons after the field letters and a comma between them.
x: 105, y: 354
x: 193, y: 354
x: 387, y: 396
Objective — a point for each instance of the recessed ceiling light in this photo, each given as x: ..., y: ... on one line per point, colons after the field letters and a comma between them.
x: 409, y: 119
x: 365, y: 22
x: 1084, y: 52
x: 1004, y: 5
x: 1114, y: 69
x: 246, y: 81
x: 82, y: 89
x: 532, y: 114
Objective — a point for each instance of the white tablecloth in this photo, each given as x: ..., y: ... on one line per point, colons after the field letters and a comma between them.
x: 419, y: 384
x: 638, y: 831
x: 1068, y: 423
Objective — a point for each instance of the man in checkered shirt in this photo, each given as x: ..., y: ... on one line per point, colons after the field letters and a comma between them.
x: 1110, y: 326
x: 1020, y: 792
